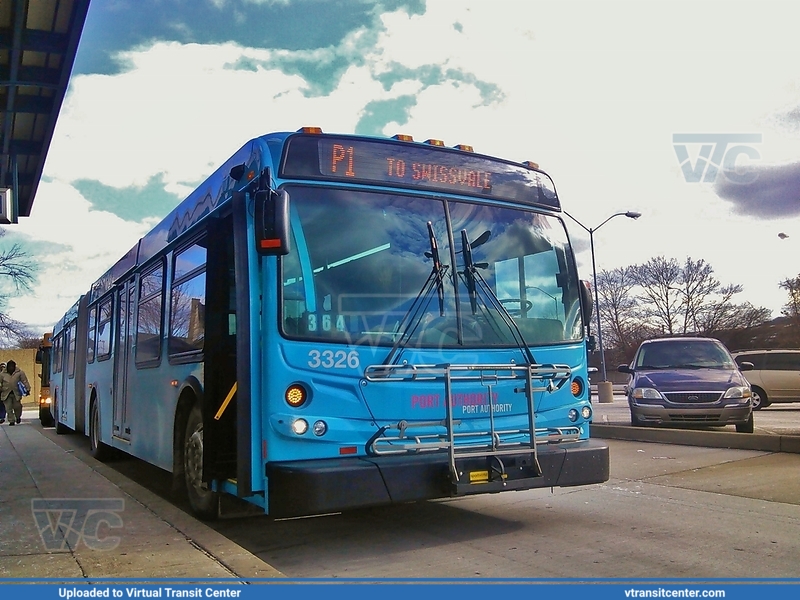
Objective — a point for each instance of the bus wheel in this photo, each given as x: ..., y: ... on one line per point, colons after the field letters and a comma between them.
x: 204, y: 502
x: 98, y: 449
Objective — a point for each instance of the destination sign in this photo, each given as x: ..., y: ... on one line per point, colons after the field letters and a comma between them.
x: 408, y: 164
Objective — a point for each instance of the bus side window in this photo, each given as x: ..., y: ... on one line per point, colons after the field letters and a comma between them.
x: 188, y: 300
x: 57, y: 354
x: 104, y: 329
x: 148, y: 326
x: 91, y: 335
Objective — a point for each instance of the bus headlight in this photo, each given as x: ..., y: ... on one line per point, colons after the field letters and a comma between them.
x: 586, y: 412
x: 299, y: 426
x: 319, y: 428
x: 572, y: 415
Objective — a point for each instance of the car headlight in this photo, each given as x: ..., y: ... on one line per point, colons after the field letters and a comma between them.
x: 737, y: 392
x: 646, y: 394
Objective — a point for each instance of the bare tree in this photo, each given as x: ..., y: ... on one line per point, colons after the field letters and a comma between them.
x: 624, y: 326
x: 665, y: 297
x: 658, y: 280
x: 792, y: 308
x: 697, y: 284
x: 16, y: 274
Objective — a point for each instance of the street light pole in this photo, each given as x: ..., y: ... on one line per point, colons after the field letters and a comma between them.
x: 597, y: 310
x: 631, y: 215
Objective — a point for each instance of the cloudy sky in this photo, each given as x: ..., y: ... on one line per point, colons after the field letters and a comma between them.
x: 688, y: 112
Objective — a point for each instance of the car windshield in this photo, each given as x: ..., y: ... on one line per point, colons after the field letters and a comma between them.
x: 361, y: 264
x: 683, y: 354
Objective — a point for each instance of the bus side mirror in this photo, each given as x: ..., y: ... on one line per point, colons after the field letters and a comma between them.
x: 587, y: 305
x: 272, y: 222
x: 39, y: 355
x: 591, y: 346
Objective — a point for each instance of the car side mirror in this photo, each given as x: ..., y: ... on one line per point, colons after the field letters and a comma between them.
x: 625, y: 369
x: 746, y: 366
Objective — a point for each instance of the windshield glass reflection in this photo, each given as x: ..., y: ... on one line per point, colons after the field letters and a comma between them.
x: 361, y: 260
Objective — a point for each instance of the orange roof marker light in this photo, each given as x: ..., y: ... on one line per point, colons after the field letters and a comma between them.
x: 433, y: 142
x: 530, y: 164
x: 402, y: 137
x: 464, y: 147
x: 310, y: 130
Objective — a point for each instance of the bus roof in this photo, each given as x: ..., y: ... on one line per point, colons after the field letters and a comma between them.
x: 312, y: 156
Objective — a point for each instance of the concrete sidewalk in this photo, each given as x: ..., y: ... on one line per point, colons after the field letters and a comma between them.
x: 129, y: 533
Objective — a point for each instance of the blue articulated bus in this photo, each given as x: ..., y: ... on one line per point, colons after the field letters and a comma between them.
x: 332, y: 322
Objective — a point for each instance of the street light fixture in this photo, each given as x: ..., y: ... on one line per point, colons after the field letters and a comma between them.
x: 631, y: 215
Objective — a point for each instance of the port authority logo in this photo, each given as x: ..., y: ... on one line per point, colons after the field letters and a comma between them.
x: 63, y: 523
x: 716, y: 152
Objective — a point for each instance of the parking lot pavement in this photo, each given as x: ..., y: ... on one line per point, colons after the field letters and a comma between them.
x: 777, y: 429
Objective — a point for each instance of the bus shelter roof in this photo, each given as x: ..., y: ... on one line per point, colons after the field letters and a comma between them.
x: 38, y: 43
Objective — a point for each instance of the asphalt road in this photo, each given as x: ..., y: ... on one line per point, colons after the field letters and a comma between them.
x: 668, y: 511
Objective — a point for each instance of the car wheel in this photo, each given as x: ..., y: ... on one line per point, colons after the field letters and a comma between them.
x: 759, y: 399
x: 746, y: 427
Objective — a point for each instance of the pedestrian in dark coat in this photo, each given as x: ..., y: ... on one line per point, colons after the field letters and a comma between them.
x: 13, y: 386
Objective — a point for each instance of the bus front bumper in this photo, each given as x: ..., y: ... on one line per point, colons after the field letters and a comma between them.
x: 331, y: 485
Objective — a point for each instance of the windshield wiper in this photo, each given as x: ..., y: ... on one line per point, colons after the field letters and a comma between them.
x: 438, y: 270
x: 413, y: 317
x: 473, y: 280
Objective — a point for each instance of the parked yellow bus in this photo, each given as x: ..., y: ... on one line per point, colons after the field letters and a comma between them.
x: 45, y: 400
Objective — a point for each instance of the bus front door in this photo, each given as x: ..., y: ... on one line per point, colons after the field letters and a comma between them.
x: 220, y: 419
x: 64, y: 393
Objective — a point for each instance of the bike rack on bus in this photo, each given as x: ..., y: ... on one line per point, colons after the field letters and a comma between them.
x: 493, y: 443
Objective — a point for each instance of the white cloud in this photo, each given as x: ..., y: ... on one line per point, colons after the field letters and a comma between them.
x: 591, y: 91
x: 85, y: 244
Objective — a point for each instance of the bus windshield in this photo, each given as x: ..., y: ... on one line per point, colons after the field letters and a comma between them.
x: 360, y: 261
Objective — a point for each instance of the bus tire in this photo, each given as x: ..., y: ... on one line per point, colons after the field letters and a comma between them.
x: 203, y: 501
x: 98, y: 449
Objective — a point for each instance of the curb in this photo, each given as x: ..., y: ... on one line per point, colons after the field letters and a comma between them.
x: 709, y: 439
